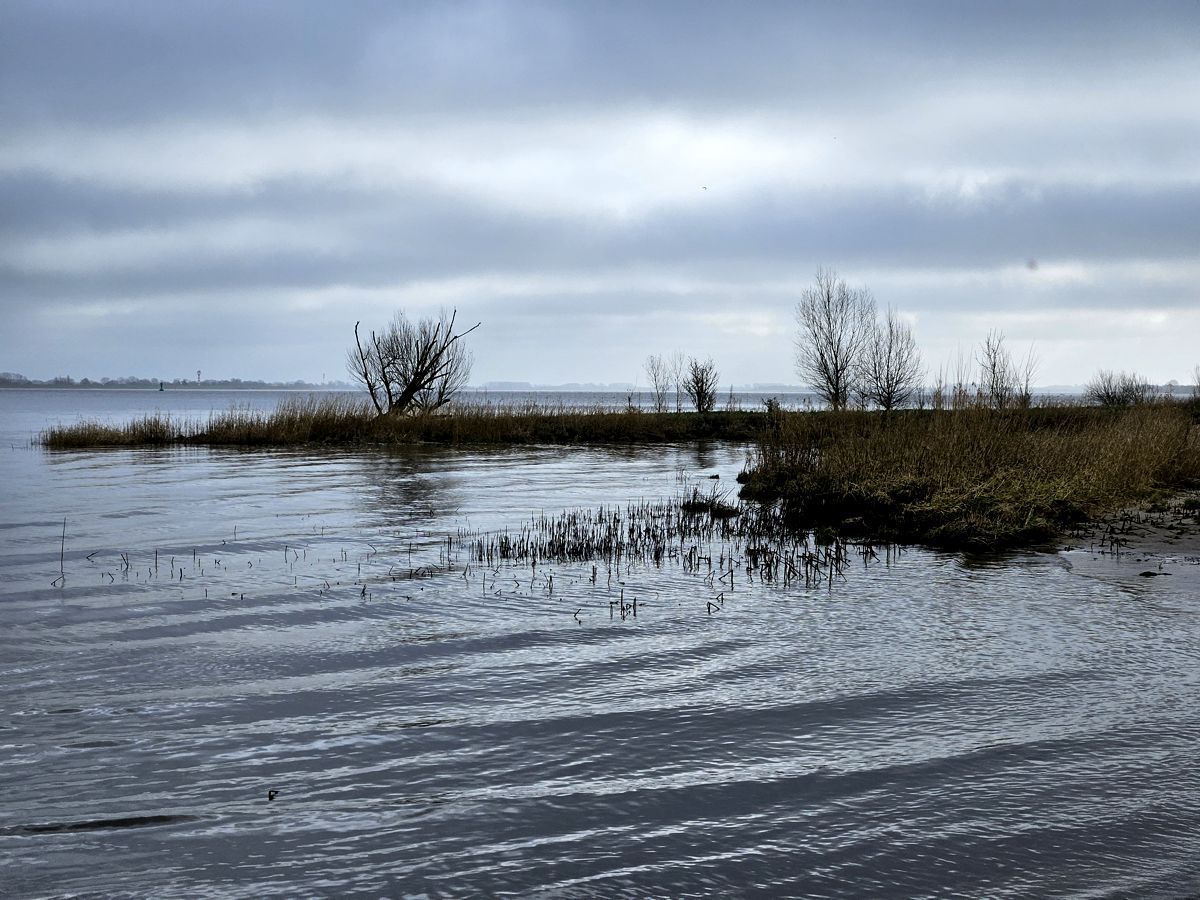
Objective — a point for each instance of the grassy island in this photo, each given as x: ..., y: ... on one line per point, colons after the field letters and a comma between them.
x: 338, y: 420
x: 973, y: 478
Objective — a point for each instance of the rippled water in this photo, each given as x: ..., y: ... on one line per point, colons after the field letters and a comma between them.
x: 235, y: 623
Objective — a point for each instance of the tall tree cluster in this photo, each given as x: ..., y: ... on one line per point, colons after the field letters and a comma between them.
x: 846, y: 351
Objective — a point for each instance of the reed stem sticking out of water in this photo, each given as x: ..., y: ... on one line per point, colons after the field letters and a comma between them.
x: 755, y: 541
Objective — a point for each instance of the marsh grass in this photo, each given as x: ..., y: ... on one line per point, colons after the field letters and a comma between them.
x: 344, y: 420
x: 742, y: 542
x: 148, y: 431
x: 715, y: 504
x: 296, y: 420
x: 971, y: 478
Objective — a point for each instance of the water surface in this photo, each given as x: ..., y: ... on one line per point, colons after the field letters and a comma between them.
x: 217, y: 625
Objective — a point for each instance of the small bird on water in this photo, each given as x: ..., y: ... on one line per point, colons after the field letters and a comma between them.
x: 272, y: 794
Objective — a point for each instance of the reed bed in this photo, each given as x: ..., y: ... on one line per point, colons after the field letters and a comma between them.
x: 346, y: 420
x: 971, y: 478
x: 148, y: 431
x: 756, y: 543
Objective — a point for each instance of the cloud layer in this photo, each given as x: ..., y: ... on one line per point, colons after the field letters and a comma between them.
x: 231, y: 186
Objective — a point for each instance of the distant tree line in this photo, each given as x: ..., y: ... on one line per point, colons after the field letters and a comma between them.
x: 16, y: 380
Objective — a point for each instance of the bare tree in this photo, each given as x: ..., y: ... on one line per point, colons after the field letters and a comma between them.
x: 891, y: 369
x: 995, y: 371
x: 659, y: 372
x: 1108, y: 388
x: 999, y: 380
x: 675, y: 363
x: 1196, y: 382
x: 1003, y: 382
x: 700, y: 384
x: 938, y: 396
x: 963, y: 392
x: 835, y: 328
x: 1025, y: 374
x: 411, y: 367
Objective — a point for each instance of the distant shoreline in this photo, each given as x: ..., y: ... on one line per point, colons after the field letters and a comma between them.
x: 1053, y: 392
x: 167, y: 386
x: 234, y: 385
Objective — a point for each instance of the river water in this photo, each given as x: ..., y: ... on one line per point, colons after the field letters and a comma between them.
x: 214, y: 628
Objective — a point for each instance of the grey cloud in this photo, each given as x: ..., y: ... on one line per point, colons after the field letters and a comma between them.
x: 114, y: 63
x: 372, y: 240
x: 380, y: 240
x: 41, y: 203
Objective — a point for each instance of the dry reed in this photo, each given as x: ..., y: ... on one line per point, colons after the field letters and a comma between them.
x: 971, y: 478
x: 341, y: 419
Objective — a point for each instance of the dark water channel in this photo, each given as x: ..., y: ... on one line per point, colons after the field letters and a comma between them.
x: 232, y: 624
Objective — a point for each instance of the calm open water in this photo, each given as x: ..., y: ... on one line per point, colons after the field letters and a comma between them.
x: 233, y: 623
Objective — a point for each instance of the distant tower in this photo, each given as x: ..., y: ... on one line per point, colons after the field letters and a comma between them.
x: 197, y: 376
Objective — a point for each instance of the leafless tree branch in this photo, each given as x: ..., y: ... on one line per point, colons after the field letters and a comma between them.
x: 411, y: 367
x: 835, y: 328
x: 659, y: 373
x: 891, y: 371
x: 700, y: 384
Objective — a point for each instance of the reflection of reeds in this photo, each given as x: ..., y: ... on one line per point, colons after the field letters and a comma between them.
x: 972, y: 478
x: 342, y: 419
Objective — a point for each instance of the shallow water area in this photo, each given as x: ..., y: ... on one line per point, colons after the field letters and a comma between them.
x: 213, y: 626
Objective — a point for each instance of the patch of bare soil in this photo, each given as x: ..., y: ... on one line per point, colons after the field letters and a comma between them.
x: 1161, y: 541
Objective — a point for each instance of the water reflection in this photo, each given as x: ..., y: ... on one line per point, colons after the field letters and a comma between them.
x: 705, y: 455
x: 407, y: 488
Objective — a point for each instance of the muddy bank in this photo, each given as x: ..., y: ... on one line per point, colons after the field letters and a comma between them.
x: 1160, y: 542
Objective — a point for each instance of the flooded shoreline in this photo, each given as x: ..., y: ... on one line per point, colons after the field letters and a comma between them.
x: 1142, y: 544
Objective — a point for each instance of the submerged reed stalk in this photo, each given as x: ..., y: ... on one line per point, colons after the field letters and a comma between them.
x: 756, y: 542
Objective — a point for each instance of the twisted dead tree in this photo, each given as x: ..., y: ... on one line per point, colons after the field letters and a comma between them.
x: 700, y: 384
x: 411, y: 367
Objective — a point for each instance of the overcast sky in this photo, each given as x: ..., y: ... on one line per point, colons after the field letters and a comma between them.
x: 230, y: 186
